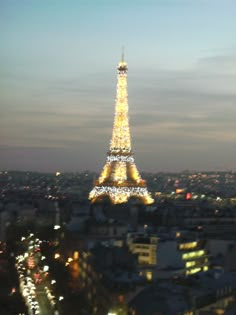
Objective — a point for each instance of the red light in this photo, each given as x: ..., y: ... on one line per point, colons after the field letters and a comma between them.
x: 121, y: 298
x: 188, y: 196
x: 13, y: 290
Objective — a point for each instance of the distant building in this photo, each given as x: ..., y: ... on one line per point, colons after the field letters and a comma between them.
x: 230, y: 258
x: 4, y: 221
x: 214, y: 226
x: 210, y: 293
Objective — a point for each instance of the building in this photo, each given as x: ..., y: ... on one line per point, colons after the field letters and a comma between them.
x: 210, y: 293
x: 168, y: 257
x: 120, y: 179
x: 145, y: 247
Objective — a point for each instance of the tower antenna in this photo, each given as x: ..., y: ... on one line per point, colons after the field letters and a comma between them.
x: 122, y: 53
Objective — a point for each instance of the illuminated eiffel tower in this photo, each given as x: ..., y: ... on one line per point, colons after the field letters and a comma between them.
x: 120, y: 179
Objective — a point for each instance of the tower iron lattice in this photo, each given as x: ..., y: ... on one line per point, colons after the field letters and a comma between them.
x: 120, y: 179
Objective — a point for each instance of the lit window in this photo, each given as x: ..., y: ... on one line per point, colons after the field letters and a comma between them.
x: 149, y: 275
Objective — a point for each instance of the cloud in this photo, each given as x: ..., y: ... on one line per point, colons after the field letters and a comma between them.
x: 183, y: 97
x: 40, y: 158
x: 218, y: 64
x: 189, y: 111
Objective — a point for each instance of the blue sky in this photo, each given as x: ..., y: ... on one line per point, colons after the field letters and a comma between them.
x: 58, y: 83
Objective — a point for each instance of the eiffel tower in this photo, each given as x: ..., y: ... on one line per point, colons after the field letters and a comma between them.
x: 120, y: 179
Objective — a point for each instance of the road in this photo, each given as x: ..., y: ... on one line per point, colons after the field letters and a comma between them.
x: 44, y: 305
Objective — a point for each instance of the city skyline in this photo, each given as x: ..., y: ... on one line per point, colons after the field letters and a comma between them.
x: 58, y: 83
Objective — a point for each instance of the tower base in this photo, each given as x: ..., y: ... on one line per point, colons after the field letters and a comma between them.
x: 118, y: 195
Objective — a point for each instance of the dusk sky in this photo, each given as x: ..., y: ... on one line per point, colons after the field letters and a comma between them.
x: 58, y: 83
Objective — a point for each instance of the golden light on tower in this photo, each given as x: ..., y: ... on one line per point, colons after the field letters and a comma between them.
x: 120, y: 179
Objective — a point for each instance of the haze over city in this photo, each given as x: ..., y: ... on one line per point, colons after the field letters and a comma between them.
x: 58, y: 83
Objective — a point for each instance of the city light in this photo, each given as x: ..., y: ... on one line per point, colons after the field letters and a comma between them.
x: 76, y: 255
x: 193, y: 254
x: 56, y: 255
x: 190, y: 264
x: 189, y: 245
x: 149, y: 275
x: 192, y: 271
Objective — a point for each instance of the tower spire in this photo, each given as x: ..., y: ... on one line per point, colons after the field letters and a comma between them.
x: 122, y: 54
x: 120, y: 179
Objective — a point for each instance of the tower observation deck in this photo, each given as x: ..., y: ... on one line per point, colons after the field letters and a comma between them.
x: 120, y: 179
